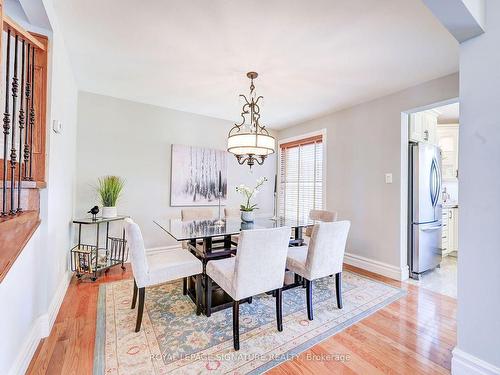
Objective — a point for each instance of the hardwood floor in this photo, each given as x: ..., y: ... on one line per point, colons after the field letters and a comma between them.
x: 414, y: 335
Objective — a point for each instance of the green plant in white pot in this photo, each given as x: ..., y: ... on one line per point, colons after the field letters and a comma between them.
x: 109, y: 189
x: 247, y: 209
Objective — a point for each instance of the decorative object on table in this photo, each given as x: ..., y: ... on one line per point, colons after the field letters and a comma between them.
x: 194, y: 176
x: 247, y: 209
x: 94, y: 211
x: 219, y: 195
x: 247, y: 225
x: 275, y: 198
x: 249, y: 141
x: 193, y: 344
x: 89, y: 260
x: 109, y: 189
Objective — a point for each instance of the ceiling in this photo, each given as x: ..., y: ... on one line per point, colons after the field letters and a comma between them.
x: 313, y: 57
x: 448, y: 114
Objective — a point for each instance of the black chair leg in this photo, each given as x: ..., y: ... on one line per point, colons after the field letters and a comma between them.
x: 250, y: 300
x: 309, y: 299
x: 208, y: 295
x: 184, y: 286
x: 338, y: 288
x: 279, y: 309
x: 142, y: 292
x: 134, y: 297
x: 198, y: 294
x: 236, y: 325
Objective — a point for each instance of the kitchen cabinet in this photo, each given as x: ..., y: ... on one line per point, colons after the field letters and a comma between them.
x: 447, y: 137
x: 423, y: 127
x: 450, y: 231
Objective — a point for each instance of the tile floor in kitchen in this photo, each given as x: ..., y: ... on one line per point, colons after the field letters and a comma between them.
x: 441, y: 280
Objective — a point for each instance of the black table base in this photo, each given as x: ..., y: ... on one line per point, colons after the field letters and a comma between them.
x: 214, y: 297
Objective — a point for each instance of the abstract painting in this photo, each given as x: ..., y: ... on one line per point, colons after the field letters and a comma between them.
x: 195, y: 176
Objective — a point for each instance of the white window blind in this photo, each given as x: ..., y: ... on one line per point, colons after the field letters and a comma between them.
x: 301, y: 177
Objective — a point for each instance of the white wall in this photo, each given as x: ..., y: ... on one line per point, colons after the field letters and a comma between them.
x: 36, y: 283
x: 479, y: 158
x: 133, y: 140
x: 364, y: 143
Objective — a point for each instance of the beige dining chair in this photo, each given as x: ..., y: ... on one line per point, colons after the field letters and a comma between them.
x: 258, y: 267
x: 232, y: 212
x: 320, y: 215
x: 323, y: 256
x: 189, y: 214
x: 158, y: 268
x: 197, y: 213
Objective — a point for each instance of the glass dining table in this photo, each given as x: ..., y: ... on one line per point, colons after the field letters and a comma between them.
x: 209, y: 240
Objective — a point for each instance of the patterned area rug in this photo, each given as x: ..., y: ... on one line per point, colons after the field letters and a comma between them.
x: 174, y: 340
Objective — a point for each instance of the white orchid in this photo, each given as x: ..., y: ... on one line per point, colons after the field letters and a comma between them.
x: 249, y: 193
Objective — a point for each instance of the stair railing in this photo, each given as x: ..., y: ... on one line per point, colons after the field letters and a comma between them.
x: 19, y: 57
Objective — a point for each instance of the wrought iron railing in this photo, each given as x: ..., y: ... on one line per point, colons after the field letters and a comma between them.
x: 19, y: 53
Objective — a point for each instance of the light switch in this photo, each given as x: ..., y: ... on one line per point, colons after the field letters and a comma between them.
x: 388, y: 178
x: 57, y: 126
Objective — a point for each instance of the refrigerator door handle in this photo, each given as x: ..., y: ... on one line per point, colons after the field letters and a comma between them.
x: 435, y: 184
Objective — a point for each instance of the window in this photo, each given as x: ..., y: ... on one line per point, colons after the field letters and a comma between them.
x: 301, y: 177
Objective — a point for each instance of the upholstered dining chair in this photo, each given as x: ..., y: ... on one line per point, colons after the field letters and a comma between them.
x: 158, y: 268
x: 188, y: 214
x: 320, y: 215
x: 258, y: 267
x: 197, y: 213
x: 322, y: 257
x: 232, y: 212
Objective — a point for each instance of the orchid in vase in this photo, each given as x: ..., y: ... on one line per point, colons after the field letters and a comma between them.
x: 247, y: 208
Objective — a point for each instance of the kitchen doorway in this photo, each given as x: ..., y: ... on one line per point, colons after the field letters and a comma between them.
x: 433, y: 198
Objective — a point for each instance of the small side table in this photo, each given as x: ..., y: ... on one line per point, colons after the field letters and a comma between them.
x: 89, y: 260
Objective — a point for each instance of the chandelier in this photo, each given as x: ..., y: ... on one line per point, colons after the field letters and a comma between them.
x: 249, y: 141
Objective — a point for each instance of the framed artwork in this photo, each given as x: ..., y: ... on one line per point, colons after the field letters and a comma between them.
x: 195, y: 175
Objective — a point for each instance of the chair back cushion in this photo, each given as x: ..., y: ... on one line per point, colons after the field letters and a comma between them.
x: 199, y: 213
x: 232, y: 212
x: 138, y: 258
x: 260, y: 261
x: 320, y: 215
x: 325, y: 254
x: 323, y: 215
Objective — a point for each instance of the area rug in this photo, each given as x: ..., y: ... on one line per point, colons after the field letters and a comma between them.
x: 174, y: 340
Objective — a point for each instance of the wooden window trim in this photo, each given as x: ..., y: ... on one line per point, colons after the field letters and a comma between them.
x: 302, y: 142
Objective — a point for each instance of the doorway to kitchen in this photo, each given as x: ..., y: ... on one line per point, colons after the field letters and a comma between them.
x: 433, y: 198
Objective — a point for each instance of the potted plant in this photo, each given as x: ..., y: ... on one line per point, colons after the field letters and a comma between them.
x: 247, y: 209
x: 109, y: 189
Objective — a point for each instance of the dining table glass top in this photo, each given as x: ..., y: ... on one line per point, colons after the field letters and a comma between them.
x: 196, y: 229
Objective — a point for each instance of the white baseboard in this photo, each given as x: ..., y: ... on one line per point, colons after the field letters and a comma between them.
x: 29, y: 347
x: 153, y: 250
x: 375, y: 266
x: 56, y: 303
x: 464, y: 363
x: 40, y: 329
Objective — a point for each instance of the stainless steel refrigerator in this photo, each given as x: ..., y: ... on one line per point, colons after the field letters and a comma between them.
x: 425, y: 208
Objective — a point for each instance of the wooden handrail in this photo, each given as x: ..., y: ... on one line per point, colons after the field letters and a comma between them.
x: 16, y: 29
